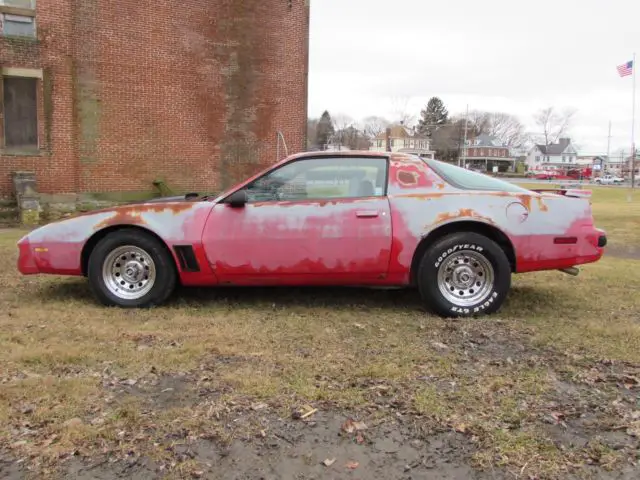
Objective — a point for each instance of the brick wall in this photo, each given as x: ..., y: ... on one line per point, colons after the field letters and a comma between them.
x: 191, y: 92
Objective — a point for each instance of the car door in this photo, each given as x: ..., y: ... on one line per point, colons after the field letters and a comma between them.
x: 311, y: 221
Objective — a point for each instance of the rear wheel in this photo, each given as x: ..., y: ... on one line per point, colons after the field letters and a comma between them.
x: 129, y: 268
x: 464, y: 274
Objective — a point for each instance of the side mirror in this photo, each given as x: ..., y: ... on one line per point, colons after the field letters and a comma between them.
x: 238, y: 199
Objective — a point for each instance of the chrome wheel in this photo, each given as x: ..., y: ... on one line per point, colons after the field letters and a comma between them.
x: 129, y: 272
x: 466, y: 278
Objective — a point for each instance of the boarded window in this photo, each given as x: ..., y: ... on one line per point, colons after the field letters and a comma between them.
x: 20, y: 112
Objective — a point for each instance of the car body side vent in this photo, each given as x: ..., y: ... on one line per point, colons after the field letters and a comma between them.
x: 187, y: 258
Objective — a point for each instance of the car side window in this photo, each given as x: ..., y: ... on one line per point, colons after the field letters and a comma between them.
x: 322, y: 178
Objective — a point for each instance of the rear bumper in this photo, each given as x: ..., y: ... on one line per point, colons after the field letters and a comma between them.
x: 543, y: 252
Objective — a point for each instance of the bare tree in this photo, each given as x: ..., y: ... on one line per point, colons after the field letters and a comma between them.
x: 374, y: 125
x: 400, y: 107
x: 553, y: 124
x: 341, y: 122
x: 505, y: 127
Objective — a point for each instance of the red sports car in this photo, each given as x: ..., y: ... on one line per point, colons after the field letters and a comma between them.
x: 329, y: 218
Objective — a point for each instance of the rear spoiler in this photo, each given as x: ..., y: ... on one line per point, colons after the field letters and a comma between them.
x: 567, y: 192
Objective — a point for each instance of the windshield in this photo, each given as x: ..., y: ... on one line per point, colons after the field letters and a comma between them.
x: 470, y: 180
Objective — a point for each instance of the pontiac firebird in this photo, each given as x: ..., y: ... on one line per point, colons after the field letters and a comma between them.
x: 332, y: 219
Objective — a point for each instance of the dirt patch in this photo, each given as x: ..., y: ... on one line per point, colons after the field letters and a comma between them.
x: 316, y: 448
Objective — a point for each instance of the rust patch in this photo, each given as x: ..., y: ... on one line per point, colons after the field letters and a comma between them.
x: 407, y: 178
x: 441, y: 185
x: 462, y: 213
x: 132, y: 214
x: 525, y: 200
x: 541, y: 206
x: 420, y: 196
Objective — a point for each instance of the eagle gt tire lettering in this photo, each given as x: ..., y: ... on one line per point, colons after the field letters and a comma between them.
x: 464, y: 274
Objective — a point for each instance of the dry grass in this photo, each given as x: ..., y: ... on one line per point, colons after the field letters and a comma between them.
x: 68, y: 364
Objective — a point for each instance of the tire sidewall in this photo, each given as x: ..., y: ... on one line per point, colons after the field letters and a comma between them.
x: 440, y: 251
x: 165, y: 269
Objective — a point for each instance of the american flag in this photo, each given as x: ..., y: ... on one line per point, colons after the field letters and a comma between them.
x: 625, y: 69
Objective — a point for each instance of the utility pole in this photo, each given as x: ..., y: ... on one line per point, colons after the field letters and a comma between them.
x: 608, y: 158
x: 609, y: 142
x: 464, y: 144
x: 633, y: 126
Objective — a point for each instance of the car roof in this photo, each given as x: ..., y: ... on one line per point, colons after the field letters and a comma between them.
x: 349, y: 153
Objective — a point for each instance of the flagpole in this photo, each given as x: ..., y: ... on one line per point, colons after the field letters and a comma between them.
x: 633, y: 125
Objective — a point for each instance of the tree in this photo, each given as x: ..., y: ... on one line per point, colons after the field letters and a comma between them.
x: 352, y: 138
x: 312, y: 133
x: 324, y: 130
x: 341, y: 123
x: 432, y: 117
x: 447, y: 140
x: 400, y: 106
x: 504, y: 126
x: 373, y: 126
x: 553, y: 124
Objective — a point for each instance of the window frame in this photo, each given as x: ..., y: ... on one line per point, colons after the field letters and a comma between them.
x: 21, y: 12
x: 37, y: 75
x: 385, y: 185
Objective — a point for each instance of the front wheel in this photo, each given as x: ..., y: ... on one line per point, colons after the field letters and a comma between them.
x: 129, y: 268
x: 464, y: 274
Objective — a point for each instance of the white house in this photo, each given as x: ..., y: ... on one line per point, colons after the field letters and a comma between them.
x: 553, y: 156
x: 402, y: 139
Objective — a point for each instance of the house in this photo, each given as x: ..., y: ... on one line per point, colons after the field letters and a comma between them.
x: 400, y: 138
x: 486, y: 152
x: 554, y: 156
x: 107, y: 97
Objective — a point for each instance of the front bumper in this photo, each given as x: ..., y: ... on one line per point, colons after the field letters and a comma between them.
x: 26, y: 258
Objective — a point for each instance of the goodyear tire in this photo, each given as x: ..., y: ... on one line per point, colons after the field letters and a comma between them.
x: 464, y: 274
x: 131, y: 269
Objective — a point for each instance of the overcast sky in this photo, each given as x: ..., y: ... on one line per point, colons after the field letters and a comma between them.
x: 368, y: 57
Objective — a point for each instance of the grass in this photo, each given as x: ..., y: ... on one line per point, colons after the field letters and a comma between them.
x: 80, y: 378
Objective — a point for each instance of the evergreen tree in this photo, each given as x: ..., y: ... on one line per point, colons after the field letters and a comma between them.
x: 432, y: 117
x: 324, y: 130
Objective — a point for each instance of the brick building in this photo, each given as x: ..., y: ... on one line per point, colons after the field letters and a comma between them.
x: 110, y: 95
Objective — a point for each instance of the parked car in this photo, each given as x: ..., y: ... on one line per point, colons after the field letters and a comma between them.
x: 609, y: 180
x: 329, y: 218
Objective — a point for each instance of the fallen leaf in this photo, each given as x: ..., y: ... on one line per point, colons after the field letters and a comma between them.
x: 348, y: 426
x: 328, y: 463
x: 359, y: 426
x: 360, y: 439
x: 461, y: 428
x: 352, y: 465
x: 73, y: 422
x: 440, y: 346
x: 49, y: 440
x: 259, y: 406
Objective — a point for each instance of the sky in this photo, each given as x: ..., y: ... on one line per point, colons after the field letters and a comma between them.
x: 377, y: 57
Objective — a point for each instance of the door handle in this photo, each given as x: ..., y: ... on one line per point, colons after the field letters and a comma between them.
x: 366, y: 213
